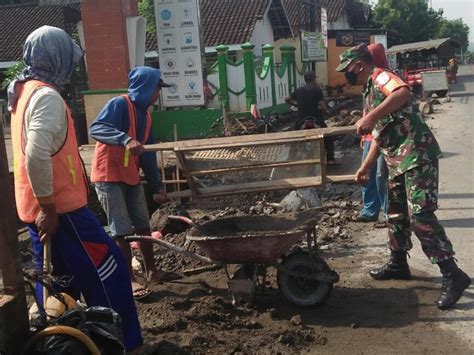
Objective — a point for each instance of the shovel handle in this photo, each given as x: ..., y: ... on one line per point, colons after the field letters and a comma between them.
x: 46, y: 267
x: 182, y: 219
x: 188, y: 221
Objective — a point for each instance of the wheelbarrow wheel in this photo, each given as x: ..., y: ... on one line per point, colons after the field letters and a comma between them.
x: 441, y: 93
x: 301, y: 291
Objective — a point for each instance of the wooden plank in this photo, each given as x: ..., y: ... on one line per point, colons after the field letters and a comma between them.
x: 163, y: 173
x: 236, y: 119
x: 340, y: 178
x: 255, y: 167
x: 322, y: 157
x: 175, y: 131
x: 175, y: 181
x: 252, y: 187
x: 13, y: 311
x: 248, y: 144
x: 184, y: 167
x: 330, y: 131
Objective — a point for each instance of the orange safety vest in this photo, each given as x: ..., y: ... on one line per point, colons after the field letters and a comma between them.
x: 113, y: 163
x: 70, y: 187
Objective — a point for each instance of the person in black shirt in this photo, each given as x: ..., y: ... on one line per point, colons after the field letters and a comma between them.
x: 309, y: 99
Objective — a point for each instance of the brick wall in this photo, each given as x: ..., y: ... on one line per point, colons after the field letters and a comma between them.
x: 106, y: 41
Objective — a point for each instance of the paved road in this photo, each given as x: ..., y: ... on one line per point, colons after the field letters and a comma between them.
x: 454, y: 130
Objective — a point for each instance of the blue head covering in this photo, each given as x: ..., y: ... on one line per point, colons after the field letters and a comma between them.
x: 50, y: 55
x: 142, y: 84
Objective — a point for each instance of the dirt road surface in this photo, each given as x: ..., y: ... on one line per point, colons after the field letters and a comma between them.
x: 362, y: 316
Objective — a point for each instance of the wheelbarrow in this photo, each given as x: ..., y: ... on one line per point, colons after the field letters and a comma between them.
x: 256, y: 243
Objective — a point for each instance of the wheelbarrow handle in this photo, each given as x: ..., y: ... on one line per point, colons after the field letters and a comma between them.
x: 182, y: 219
x: 172, y: 247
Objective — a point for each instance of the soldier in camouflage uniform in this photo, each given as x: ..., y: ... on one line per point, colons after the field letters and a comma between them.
x: 411, y: 152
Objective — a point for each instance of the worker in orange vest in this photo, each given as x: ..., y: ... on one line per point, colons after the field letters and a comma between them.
x: 121, y: 129
x: 51, y: 187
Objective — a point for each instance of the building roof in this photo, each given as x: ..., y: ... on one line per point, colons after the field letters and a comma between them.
x: 230, y: 21
x: 20, y: 20
x: 298, y: 12
x: 418, y: 46
x: 233, y: 21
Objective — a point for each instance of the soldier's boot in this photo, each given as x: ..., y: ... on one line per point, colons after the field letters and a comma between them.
x: 455, y: 281
x: 396, y: 268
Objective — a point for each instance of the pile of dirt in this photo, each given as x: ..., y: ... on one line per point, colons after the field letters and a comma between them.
x: 205, y: 321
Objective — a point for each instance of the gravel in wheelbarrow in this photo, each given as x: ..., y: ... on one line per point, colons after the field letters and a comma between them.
x: 252, y: 239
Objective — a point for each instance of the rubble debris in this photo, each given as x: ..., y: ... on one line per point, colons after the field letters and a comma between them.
x: 300, y: 199
x: 426, y: 108
x: 296, y: 320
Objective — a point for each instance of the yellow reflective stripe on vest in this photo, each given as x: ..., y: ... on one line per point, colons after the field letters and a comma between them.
x: 72, y: 171
x: 126, y: 158
x: 15, y: 167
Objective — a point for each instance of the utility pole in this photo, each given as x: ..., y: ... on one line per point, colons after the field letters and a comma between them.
x: 13, y: 310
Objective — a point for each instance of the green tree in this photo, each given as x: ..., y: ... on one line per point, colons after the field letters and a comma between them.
x: 11, y: 73
x: 146, y: 9
x: 455, y: 29
x: 412, y: 19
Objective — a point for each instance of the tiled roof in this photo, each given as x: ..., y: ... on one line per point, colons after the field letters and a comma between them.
x: 335, y: 8
x: 298, y: 13
x: 230, y: 21
x: 17, y: 22
x: 225, y: 21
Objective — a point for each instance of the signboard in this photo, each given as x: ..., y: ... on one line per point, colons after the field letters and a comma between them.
x: 352, y: 38
x: 312, y: 47
x: 434, y: 80
x: 179, y: 51
x: 324, y: 26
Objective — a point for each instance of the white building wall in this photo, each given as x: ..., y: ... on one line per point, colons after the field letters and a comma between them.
x: 281, y: 88
x: 236, y: 83
x: 264, y: 91
x: 342, y: 23
x: 262, y: 34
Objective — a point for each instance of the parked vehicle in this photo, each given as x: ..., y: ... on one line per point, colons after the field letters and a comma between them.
x: 412, y: 59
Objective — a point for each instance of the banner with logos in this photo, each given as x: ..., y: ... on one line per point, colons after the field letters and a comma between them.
x: 312, y: 47
x: 352, y: 38
x: 179, y: 52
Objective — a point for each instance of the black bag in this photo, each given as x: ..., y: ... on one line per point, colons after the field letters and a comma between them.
x: 101, y: 324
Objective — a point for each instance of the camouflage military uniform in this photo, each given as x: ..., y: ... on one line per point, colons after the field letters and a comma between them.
x: 411, y: 152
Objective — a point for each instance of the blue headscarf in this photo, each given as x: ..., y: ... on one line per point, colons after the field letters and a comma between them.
x: 50, y: 55
x: 142, y: 85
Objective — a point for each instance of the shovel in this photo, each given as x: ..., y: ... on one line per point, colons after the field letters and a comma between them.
x: 46, y: 268
x: 188, y: 221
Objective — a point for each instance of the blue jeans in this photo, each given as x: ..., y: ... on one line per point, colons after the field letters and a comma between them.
x: 125, y: 207
x: 374, y: 194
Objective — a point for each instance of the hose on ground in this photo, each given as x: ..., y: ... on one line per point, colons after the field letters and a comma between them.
x: 63, y: 330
